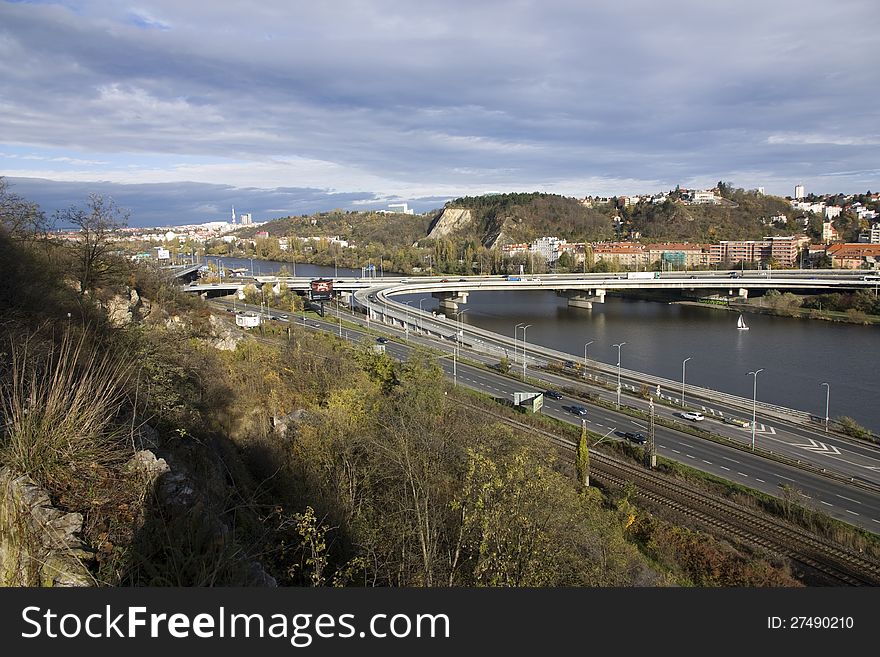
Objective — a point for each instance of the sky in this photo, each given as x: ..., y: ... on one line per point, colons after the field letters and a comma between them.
x: 181, y: 110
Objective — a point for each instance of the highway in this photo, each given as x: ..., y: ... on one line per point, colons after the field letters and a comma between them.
x: 855, y: 505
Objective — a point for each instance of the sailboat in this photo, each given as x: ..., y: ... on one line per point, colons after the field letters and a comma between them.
x: 741, y: 324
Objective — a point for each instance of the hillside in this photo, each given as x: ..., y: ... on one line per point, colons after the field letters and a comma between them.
x: 739, y: 220
x: 499, y: 219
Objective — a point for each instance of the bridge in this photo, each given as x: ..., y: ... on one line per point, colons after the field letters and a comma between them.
x: 582, y: 290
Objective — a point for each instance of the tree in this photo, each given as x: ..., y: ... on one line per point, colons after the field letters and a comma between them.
x: 97, y: 223
x: 20, y: 219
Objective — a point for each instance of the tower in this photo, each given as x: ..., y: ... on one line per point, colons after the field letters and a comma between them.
x: 233, y: 214
x: 799, y: 191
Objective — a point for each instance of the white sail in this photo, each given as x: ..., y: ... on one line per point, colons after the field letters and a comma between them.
x: 741, y: 324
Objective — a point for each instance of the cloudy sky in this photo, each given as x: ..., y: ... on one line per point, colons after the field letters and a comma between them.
x: 180, y: 110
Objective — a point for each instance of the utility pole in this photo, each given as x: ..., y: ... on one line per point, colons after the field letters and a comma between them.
x: 652, y: 450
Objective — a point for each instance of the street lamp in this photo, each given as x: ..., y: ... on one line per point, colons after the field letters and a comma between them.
x: 619, y: 345
x: 585, y: 357
x: 682, y: 378
x: 421, y: 325
x: 460, y: 337
x: 754, y: 402
x: 406, y: 321
x: 827, y: 399
x: 515, y: 329
x: 524, y: 350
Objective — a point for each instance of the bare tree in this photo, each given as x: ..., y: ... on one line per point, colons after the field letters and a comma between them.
x: 97, y: 222
x: 19, y: 218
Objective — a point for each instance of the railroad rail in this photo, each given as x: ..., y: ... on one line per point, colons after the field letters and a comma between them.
x: 839, y: 565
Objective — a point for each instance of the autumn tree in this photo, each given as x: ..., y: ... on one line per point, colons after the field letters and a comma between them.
x: 92, y: 261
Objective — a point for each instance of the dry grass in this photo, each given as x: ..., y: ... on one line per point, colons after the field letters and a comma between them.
x: 60, y: 408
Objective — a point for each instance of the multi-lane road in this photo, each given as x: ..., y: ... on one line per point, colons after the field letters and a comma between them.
x: 855, y: 504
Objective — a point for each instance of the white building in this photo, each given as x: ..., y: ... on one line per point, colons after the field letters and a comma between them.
x: 247, y: 320
x: 704, y: 197
x: 799, y: 191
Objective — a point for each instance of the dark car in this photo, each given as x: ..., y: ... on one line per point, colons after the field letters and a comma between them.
x: 462, y: 280
x: 552, y: 394
x: 580, y: 411
x: 636, y: 437
x: 381, y: 340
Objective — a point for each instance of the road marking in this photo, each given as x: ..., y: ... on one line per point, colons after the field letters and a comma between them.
x: 825, y: 503
x: 705, y: 461
x: 852, y: 512
x: 676, y: 451
x: 848, y: 499
x: 819, y: 448
x: 761, y: 480
x: 742, y: 474
x: 690, y: 457
x: 661, y: 446
x: 735, y: 461
x: 724, y: 468
x: 784, y: 477
x: 875, y: 520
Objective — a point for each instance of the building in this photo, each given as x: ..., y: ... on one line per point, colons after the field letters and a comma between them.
x: 246, y: 219
x: 783, y: 250
x: 799, y: 191
x: 870, y: 236
x: 262, y: 235
x: 681, y: 255
x: 854, y: 256
x: 621, y: 254
x: 707, y: 197
x: 829, y: 232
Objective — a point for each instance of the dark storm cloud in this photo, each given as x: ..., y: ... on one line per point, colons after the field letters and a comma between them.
x: 188, y: 203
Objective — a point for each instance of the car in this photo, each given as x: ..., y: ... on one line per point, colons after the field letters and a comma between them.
x: 693, y: 415
x: 382, y: 340
x: 445, y: 280
x: 552, y: 394
x: 283, y: 318
x: 580, y: 411
x: 463, y: 280
x: 636, y: 437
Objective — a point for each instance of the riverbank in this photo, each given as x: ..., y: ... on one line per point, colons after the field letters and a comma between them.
x: 858, y: 318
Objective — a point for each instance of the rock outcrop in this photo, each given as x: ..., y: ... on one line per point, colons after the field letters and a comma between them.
x: 451, y: 220
x: 39, y: 544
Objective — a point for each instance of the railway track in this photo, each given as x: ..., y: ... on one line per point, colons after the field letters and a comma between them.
x: 837, y: 564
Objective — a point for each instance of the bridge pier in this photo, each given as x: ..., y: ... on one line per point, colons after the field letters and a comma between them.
x: 583, y: 298
x: 449, y: 301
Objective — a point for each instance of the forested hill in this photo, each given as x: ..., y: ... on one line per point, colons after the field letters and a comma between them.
x: 519, y: 217
x: 390, y: 230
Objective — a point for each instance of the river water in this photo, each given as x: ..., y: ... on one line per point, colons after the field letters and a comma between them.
x: 796, y: 355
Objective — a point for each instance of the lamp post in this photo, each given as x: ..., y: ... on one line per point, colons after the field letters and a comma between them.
x: 461, y: 327
x: 682, y: 378
x: 515, y: 329
x: 827, y: 399
x: 619, y: 345
x: 524, y: 350
x: 754, y: 402
x: 421, y: 325
x: 406, y: 321
x: 585, y: 357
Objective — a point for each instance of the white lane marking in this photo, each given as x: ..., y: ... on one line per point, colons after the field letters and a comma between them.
x: 761, y: 480
x: 661, y: 446
x: 705, y: 461
x: 826, y: 503
x: 727, y: 458
x: 742, y: 474
x: 784, y: 477
x: 848, y: 499
x: 852, y: 512
x: 875, y: 520
x: 676, y: 451
x: 723, y: 468
x: 691, y: 457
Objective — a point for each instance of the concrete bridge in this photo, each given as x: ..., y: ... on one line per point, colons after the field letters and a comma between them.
x: 582, y: 290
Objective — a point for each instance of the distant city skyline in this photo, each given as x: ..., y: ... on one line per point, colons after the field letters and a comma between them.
x: 179, y: 111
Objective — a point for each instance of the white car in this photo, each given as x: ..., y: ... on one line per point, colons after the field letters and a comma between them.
x: 693, y: 415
